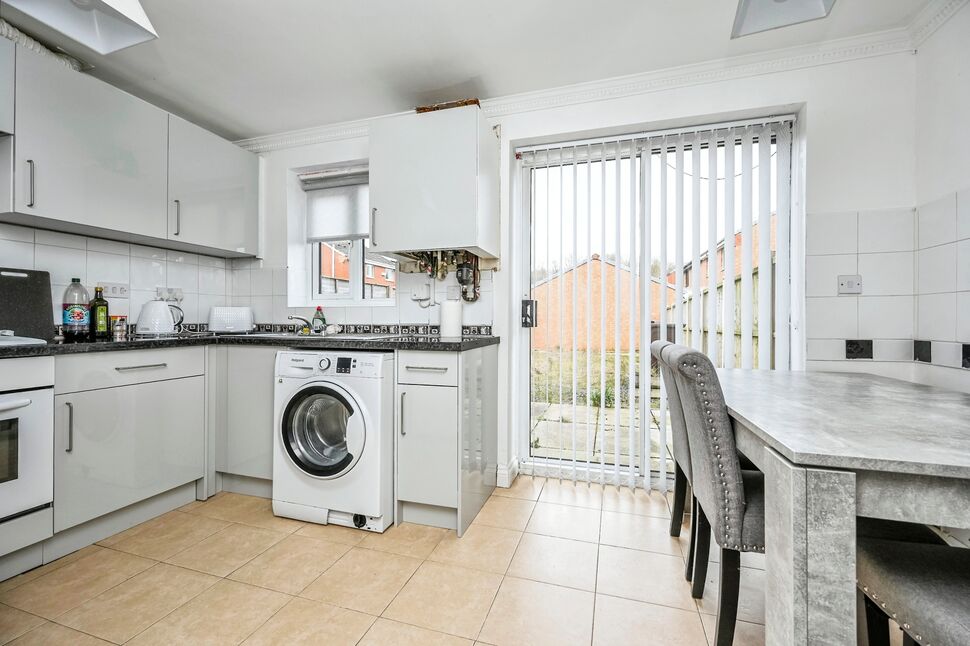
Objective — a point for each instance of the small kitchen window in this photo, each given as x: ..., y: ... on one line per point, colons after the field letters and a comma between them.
x: 344, y: 271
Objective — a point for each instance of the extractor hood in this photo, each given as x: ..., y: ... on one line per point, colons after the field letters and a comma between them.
x: 104, y: 26
x: 754, y: 16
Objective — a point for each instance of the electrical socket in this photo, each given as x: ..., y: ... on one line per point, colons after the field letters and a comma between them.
x: 115, y: 290
x: 850, y: 284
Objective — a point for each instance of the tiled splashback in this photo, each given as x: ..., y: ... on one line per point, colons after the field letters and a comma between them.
x: 202, y: 279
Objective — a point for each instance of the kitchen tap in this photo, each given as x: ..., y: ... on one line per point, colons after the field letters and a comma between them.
x: 306, y: 324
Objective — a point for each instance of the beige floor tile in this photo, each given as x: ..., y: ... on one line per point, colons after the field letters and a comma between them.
x: 507, y: 513
x: 406, y: 539
x: 247, y: 510
x: 227, y: 549
x: 290, y: 565
x: 643, y: 576
x: 333, y: 533
x: 622, y: 621
x: 745, y: 633
x: 638, y: 532
x: 70, y: 586
x: 125, y: 610
x: 446, y: 598
x: 303, y: 621
x: 385, y: 632
x: 38, y: 572
x: 751, y: 597
x: 566, y: 492
x: 555, y: 560
x: 363, y: 580
x: 481, y: 548
x: 169, y: 534
x: 577, y: 523
x: 637, y: 501
x: 14, y: 623
x: 524, y: 487
x: 50, y: 634
x: 528, y: 612
x: 226, y: 613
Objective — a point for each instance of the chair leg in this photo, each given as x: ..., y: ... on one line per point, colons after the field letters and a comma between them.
x: 702, y: 552
x: 877, y: 624
x: 689, y: 570
x: 680, y: 495
x: 727, y: 598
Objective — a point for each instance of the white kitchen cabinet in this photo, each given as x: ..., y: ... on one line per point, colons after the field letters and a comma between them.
x: 434, y: 182
x: 7, y: 49
x: 249, y: 413
x: 447, y: 435
x: 212, y: 190
x: 87, y: 156
x: 117, y: 446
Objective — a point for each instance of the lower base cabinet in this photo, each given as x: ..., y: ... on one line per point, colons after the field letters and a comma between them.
x: 117, y: 446
x: 428, y: 445
x: 249, y: 412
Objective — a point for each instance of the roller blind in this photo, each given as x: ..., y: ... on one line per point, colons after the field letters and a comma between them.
x: 337, y: 207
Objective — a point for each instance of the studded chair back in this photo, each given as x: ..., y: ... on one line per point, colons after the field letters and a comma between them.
x: 678, y: 426
x: 717, y: 480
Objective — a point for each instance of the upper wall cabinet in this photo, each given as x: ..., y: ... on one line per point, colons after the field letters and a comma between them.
x: 434, y: 182
x: 212, y: 190
x: 6, y: 85
x: 86, y: 153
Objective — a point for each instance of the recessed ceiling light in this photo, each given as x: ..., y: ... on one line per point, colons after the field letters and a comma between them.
x: 754, y: 16
x: 102, y: 25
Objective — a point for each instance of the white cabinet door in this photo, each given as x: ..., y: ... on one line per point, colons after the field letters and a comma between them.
x: 87, y: 153
x: 424, y: 180
x: 6, y: 85
x: 427, y: 459
x: 249, y: 418
x: 117, y: 446
x: 213, y: 186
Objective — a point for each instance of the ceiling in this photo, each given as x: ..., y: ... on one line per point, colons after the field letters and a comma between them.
x: 245, y: 68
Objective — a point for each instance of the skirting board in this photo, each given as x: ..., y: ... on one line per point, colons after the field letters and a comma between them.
x: 506, y: 473
x: 246, y: 485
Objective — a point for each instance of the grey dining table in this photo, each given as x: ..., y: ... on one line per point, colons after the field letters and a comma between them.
x: 834, y: 446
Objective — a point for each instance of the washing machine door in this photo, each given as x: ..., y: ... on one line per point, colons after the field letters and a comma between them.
x: 323, y: 431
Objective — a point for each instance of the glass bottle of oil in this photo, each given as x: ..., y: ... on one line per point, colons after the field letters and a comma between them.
x: 100, y: 321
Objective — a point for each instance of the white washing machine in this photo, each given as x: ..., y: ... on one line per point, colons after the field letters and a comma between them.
x: 334, y: 432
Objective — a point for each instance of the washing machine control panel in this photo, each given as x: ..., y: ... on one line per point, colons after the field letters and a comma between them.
x: 345, y: 365
x: 306, y: 365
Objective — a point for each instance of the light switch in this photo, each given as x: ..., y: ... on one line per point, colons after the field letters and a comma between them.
x: 850, y: 284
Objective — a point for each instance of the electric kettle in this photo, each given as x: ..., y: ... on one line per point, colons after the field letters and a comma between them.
x: 158, y: 318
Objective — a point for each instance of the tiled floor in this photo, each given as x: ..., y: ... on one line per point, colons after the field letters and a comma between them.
x: 546, y: 562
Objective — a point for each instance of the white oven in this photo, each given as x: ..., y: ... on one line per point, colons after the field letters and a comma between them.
x: 26, y: 451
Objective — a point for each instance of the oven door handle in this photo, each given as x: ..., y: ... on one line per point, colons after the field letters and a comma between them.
x: 14, y: 405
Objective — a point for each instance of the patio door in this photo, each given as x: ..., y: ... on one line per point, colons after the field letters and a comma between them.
x: 622, y: 233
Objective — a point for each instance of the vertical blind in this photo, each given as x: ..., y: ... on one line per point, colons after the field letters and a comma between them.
x: 682, y: 235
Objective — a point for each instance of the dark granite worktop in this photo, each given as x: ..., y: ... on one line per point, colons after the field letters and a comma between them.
x: 435, y: 343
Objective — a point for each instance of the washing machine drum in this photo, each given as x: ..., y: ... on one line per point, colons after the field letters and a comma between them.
x: 323, y: 432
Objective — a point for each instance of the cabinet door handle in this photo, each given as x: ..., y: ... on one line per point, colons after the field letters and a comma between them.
x: 30, y: 182
x: 70, y: 428
x: 144, y: 367
x: 403, y: 432
x: 426, y: 368
x: 373, y: 227
x: 178, y: 217
x: 14, y: 405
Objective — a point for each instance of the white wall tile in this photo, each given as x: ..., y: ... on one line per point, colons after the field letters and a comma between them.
x: 279, y: 281
x: 479, y: 312
x: 385, y: 315
x: 359, y: 315
x: 262, y: 309
x: 937, y: 222
x: 57, y: 301
x: 107, y: 268
x: 892, y: 350
x: 190, y: 308
x: 240, y: 282
x: 210, y: 261
x: 832, y: 233
x: 182, y: 257
x: 963, y: 317
x: 15, y: 233
x: 261, y: 282
x: 834, y: 317
x: 147, y: 274
x: 16, y: 255
x: 108, y: 246
x: 886, y: 274
x: 963, y: 265
x: 963, y: 214
x: 119, y: 307
x: 140, y: 251
x: 936, y: 317
x: 207, y: 302
x: 184, y: 276
x: 822, y: 272
x: 888, y: 230
x: 137, y: 298
x: 280, y: 309
x: 826, y: 349
x: 947, y: 354
x: 886, y: 317
x: 57, y: 239
x: 63, y: 263
x: 937, y: 269
x: 212, y: 280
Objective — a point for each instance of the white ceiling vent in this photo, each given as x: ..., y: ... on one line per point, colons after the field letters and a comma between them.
x: 102, y: 25
x: 754, y: 16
